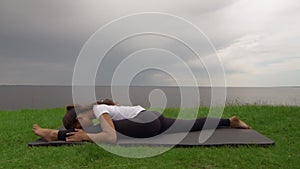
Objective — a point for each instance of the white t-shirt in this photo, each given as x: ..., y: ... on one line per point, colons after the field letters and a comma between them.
x: 117, y: 112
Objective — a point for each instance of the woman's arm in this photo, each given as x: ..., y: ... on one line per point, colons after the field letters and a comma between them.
x: 108, y: 134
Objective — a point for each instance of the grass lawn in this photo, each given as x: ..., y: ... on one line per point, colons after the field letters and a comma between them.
x: 280, y: 123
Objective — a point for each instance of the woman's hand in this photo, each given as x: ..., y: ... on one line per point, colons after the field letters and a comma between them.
x: 108, y: 134
x: 78, y: 135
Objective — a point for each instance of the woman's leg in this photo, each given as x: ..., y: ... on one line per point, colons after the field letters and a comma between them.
x: 151, y: 123
x: 51, y: 134
x: 237, y: 123
x: 48, y: 134
x: 62, y: 134
x: 198, y: 124
x: 181, y: 125
x: 146, y: 124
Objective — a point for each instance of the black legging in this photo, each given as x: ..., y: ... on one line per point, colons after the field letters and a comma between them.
x: 151, y: 123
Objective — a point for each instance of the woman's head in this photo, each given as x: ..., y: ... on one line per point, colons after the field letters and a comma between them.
x: 70, y: 119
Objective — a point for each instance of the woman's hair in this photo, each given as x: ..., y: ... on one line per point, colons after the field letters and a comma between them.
x: 70, y: 121
x: 105, y: 101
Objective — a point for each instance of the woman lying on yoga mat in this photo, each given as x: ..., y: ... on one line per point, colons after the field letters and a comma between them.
x: 131, y: 121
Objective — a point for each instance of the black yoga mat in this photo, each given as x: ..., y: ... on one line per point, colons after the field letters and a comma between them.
x: 222, y: 136
x: 43, y: 142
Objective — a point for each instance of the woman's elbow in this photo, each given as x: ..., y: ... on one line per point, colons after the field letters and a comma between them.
x: 111, y: 138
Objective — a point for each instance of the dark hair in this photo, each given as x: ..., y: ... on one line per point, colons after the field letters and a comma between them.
x: 69, y: 120
x: 106, y: 101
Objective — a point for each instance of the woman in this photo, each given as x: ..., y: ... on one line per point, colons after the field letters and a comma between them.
x: 118, y: 121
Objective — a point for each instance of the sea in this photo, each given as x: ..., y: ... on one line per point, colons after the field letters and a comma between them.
x: 14, y: 97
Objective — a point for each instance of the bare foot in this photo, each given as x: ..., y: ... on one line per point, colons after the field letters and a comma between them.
x: 48, y: 134
x: 237, y: 123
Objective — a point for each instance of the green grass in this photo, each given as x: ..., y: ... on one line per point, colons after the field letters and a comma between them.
x: 279, y: 123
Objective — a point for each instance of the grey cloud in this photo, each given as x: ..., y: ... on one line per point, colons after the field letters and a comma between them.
x: 121, y: 51
x: 40, y: 40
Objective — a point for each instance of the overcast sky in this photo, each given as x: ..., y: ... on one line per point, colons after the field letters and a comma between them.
x: 257, y: 40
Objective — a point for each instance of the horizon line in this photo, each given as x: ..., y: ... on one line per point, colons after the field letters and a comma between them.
x: 62, y: 85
